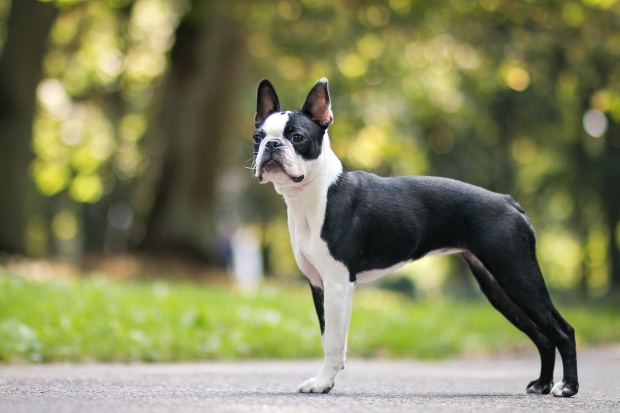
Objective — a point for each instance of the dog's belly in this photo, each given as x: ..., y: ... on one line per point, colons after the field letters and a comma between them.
x: 371, y: 275
x: 444, y: 251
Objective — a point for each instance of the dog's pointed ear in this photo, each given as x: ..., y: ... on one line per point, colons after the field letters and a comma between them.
x: 317, y: 104
x: 266, y: 102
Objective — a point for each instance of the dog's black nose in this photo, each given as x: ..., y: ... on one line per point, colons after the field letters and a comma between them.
x: 273, y: 144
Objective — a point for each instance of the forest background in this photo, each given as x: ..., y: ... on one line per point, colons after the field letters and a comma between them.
x: 125, y: 125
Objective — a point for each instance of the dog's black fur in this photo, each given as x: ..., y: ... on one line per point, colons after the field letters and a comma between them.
x: 374, y: 223
x: 490, y: 230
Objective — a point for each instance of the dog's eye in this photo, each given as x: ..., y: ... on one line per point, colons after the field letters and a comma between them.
x: 257, y: 139
x: 297, y: 138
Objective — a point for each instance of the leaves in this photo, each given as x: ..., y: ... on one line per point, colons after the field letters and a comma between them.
x: 518, y: 97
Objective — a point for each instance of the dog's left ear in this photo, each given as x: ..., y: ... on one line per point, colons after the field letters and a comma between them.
x: 317, y: 104
x: 266, y: 102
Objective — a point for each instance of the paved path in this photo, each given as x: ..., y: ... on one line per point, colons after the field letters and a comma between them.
x: 492, y: 385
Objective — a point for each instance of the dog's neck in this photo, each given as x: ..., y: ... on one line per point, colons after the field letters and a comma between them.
x: 325, y: 170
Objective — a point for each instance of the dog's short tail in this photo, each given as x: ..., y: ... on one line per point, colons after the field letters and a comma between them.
x: 515, y: 204
x: 530, y: 229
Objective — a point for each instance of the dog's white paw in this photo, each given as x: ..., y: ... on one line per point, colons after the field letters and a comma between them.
x: 563, y: 389
x: 557, y: 389
x: 315, y: 385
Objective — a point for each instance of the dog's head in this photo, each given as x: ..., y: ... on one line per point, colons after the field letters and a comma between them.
x: 288, y: 144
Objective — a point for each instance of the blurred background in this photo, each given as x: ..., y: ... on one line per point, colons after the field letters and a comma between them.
x: 125, y: 129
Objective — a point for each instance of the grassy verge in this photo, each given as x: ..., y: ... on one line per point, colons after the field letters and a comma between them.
x: 96, y: 319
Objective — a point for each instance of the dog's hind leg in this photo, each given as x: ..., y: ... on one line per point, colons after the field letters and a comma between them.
x: 500, y: 300
x: 569, y: 384
x: 516, y: 271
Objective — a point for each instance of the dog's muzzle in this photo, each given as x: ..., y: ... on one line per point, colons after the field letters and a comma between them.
x: 273, y: 160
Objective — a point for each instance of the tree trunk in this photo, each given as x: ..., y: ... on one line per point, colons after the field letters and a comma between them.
x: 610, y: 196
x: 197, y: 107
x: 20, y: 72
x: 614, y: 255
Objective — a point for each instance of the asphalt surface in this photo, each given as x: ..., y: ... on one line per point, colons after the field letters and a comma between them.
x: 475, y: 385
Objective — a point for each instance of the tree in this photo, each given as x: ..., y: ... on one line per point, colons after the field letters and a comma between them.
x: 494, y: 93
x: 195, y: 118
x: 20, y: 73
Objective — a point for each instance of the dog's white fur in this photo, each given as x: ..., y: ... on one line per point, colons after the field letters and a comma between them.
x: 304, y: 180
x: 306, y: 203
x: 274, y: 129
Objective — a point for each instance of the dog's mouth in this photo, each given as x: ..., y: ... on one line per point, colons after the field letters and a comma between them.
x: 272, y: 166
x: 275, y: 166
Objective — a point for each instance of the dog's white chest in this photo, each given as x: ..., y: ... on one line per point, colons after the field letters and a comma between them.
x: 306, y: 214
x: 305, y: 219
x: 306, y: 207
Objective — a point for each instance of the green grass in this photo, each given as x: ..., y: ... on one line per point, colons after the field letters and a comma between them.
x: 97, y: 319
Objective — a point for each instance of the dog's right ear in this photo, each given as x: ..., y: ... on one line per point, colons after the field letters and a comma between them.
x: 266, y: 102
x: 317, y: 104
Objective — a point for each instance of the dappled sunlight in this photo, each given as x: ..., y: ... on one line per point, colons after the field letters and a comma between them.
x: 65, y: 225
x: 524, y: 150
x: 429, y: 274
x: 516, y: 78
x: 441, y: 140
x: 352, y: 65
x: 516, y: 97
x: 596, y: 260
x: 82, y: 144
x: 560, y: 254
x: 595, y: 123
x: 368, y: 149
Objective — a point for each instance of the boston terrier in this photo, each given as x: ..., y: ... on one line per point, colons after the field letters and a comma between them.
x: 349, y: 227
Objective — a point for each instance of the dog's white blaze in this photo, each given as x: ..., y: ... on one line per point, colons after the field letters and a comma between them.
x: 274, y: 124
x: 274, y: 128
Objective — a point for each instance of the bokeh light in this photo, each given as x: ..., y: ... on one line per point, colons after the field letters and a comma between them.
x: 595, y: 123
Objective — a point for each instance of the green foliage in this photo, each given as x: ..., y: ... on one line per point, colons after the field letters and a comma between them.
x: 104, y: 63
x: 96, y: 319
x: 519, y: 97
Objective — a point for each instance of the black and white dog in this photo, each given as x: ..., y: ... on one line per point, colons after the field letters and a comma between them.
x: 349, y: 227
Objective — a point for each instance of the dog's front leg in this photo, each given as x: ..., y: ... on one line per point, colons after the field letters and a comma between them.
x: 338, y: 301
